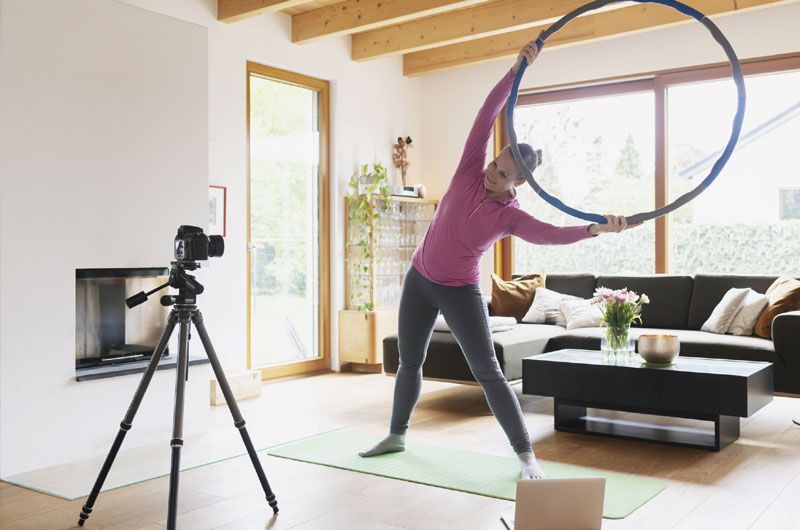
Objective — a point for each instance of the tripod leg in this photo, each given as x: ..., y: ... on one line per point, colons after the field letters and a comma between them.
x: 127, y: 422
x: 177, y: 423
x: 238, y: 421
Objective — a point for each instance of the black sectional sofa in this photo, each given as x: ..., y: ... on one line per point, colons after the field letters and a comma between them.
x: 678, y: 305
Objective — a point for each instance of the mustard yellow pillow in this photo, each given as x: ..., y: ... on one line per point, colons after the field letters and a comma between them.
x: 513, y: 298
x: 782, y: 296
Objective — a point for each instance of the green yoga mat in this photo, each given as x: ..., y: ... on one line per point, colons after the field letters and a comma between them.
x: 489, y: 475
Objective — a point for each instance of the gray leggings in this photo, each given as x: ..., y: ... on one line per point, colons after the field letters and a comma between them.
x: 466, y: 315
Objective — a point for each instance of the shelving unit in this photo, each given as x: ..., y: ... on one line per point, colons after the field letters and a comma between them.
x: 376, y: 281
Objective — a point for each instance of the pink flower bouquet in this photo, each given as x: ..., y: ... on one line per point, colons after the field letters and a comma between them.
x: 619, y: 309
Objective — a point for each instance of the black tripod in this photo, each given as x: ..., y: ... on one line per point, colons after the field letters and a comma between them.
x: 184, y: 311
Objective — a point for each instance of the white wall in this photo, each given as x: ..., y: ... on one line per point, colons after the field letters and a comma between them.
x: 451, y: 98
x: 105, y: 152
x: 103, y: 100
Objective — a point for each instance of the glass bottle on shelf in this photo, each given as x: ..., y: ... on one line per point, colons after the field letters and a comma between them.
x: 376, y: 281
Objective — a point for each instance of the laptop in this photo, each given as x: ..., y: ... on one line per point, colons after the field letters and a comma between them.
x: 557, y: 504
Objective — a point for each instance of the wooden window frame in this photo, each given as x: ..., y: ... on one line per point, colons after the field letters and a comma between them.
x: 657, y: 81
x: 322, y: 88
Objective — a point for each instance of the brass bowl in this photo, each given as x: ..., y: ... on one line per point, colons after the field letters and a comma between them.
x: 659, y: 349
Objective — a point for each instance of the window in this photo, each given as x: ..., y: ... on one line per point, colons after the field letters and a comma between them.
x: 628, y: 147
x: 789, y: 203
x: 735, y: 226
x: 598, y: 156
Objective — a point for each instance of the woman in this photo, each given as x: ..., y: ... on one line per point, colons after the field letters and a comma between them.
x: 478, y: 209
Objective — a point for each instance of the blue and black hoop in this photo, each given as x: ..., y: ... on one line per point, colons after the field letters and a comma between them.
x: 718, y: 165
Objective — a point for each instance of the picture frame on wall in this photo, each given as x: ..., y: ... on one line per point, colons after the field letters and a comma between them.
x: 217, y: 210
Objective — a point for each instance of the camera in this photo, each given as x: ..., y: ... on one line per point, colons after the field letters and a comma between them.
x: 191, y: 244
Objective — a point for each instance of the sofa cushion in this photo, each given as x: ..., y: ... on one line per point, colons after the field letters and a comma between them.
x: 581, y: 313
x: 446, y: 361
x: 513, y: 298
x: 722, y: 315
x: 746, y: 317
x: 710, y: 288
x: 523, y: 341
x: 546, y: 307
x: 693, y: 343
x: 782, y: 296
x: 669, y: 297
x: 580, y: 285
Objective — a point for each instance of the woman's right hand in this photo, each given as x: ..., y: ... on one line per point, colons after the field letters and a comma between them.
x: 614, y: 223
x: 529, y: 53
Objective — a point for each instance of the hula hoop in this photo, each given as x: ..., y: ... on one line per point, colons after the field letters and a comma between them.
x: 716, y: 168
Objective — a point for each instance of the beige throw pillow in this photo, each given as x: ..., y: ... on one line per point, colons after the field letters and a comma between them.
x: 512, y: 298
x: 782, y: 296
x: 726, y: 309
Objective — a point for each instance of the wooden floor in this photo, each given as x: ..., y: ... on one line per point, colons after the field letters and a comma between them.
x: 754, y: 483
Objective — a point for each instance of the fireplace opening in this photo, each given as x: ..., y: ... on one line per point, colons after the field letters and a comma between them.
x: 107, y: 333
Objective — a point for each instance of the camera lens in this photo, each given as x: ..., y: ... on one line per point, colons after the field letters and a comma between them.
x: 216, y: 246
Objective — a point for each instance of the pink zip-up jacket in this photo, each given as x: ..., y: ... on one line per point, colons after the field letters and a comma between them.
x: 467, y: 223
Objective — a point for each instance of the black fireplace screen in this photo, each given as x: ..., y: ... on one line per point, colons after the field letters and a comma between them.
x: 106, y: 331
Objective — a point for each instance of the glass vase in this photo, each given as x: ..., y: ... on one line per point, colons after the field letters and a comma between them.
x: 616, y: 343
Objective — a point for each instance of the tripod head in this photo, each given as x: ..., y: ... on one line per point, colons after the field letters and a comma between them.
x: 186, y: 284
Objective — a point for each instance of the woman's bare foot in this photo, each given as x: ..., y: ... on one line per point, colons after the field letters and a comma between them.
x: 391, y: 444
x: 530, y: 467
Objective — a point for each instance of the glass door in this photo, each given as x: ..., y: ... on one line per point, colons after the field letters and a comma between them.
x: 287, y: 222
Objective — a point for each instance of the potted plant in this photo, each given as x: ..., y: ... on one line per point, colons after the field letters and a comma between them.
x: 367, y: 201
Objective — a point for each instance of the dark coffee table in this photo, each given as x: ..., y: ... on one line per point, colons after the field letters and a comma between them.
x: 716, y: 390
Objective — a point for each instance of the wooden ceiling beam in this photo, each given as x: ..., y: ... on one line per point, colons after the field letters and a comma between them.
x: 484, y: 20
x: 641, y: 17
x: 235, y: 10
x: 351, y: 16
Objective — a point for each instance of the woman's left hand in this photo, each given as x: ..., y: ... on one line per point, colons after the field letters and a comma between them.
x: 528, y: 53
x: 616, y: 223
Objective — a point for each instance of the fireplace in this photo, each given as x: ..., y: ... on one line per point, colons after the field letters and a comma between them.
x: 106, y: 331
x: 110, y: 339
